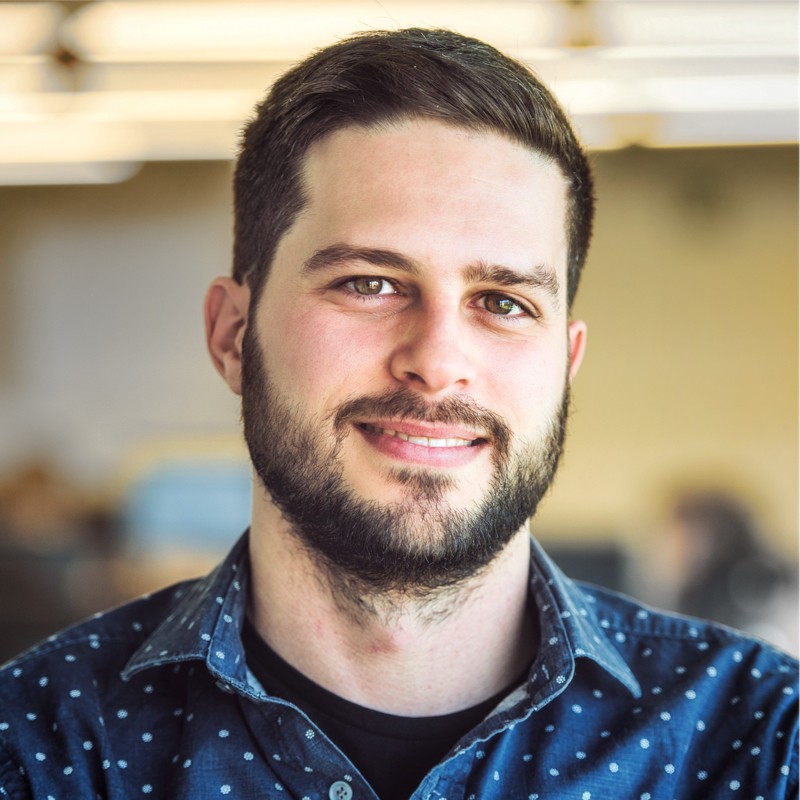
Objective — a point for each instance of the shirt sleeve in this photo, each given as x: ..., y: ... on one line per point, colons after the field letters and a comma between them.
x: 793, y: 783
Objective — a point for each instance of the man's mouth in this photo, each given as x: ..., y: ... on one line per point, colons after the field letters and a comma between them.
x: 424, y: 441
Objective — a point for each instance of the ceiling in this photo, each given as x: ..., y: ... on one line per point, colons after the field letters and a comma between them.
x: 91, y: 90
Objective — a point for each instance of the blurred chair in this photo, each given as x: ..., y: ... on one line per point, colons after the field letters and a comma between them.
x: 182, y: 503
x: 191, y: 503
x: 56, y: 541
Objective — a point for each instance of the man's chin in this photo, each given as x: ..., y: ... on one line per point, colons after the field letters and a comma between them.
x: 410, y: 488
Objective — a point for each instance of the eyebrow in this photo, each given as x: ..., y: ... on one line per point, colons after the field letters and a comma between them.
x: 338, y: 254
x: 540, y: 277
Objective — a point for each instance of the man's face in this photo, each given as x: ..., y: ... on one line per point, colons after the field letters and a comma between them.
x: 404, y: 389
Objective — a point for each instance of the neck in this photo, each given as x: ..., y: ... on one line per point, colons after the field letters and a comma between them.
x: 406, y: 653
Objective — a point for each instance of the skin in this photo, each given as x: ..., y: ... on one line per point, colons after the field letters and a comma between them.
x: 457, y: 216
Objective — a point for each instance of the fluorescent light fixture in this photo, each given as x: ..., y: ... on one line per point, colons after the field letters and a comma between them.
x: 67, y: 138
x: 720, y: 93
x: 653, y: 23
x: 67, y: 173
x: 174, y: 31
x: 679, y: 94
x: 725, y: 128
x: 27, y: 28
x: 193, y: 105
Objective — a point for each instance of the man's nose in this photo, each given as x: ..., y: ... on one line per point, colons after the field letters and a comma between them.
x: 433, y: 352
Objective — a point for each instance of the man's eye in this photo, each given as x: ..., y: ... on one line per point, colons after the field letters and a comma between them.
x: 371, y: 286
x: 502, y: 305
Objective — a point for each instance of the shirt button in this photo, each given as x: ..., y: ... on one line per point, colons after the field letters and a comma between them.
x: 340, y: 791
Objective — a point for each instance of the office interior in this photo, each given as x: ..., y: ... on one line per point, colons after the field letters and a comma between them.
x: 122, y: 465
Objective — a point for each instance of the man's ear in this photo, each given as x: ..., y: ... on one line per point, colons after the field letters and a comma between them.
x: 576, y: 331
x: 225, y: 309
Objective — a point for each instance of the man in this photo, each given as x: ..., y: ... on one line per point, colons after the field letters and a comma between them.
x: 412, y: 215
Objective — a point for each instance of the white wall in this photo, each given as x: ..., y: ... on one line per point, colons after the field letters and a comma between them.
x: 102, y: 321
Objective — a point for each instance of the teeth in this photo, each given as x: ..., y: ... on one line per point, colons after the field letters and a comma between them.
x: 424, y: 441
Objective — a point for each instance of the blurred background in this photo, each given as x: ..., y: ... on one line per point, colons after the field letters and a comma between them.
x: 121, y: 462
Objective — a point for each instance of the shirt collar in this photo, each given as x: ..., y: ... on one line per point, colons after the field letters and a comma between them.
x: 204, y: 624
x: 207, y: 616
x: 569, y: 630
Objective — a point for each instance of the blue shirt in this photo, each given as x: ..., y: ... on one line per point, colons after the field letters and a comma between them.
x: 154, y: 699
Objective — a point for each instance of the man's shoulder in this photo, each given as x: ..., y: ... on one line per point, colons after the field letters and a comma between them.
x: 662, y: 646
x: 88, y: 652
x: 67, y: 704
x: 621, y: 613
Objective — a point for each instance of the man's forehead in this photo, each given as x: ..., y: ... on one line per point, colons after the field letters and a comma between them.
x: 391, y: 153
x: 439, y: 174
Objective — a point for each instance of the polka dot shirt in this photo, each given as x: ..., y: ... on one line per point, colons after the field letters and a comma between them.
x: 155, y: 700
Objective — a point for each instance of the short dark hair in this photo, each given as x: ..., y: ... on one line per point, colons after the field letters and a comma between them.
x: 385, y: 76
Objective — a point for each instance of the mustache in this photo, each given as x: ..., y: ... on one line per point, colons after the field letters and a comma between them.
x: 404, y: 404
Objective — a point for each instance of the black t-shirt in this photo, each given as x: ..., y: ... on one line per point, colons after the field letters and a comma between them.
x: 393, y: 753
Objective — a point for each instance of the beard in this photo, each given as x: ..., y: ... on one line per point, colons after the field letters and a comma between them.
x: 411, y: 547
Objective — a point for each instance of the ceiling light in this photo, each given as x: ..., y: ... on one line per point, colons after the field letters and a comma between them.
x: 27, y: 28
x: 173, y: 31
